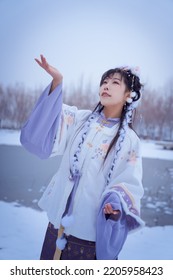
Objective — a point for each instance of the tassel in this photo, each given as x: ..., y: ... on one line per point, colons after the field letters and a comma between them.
x: 67, y: 221
x: 61, y: 242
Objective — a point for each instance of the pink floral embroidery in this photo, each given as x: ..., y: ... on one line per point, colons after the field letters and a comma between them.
x: 68, y: 117
x: 69, y: 120
x: 104, y: 147
x: 101, y: 151
x: 132, y: 157
x: 90, y: 145
x: 99, y: 128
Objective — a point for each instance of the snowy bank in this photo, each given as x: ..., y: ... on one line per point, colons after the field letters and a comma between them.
x: 22, y: 233
x: 149, y: 148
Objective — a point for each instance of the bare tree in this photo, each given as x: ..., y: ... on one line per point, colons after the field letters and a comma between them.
x: 154, y: 117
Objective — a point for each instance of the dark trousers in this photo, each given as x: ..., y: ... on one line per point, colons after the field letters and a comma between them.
x: 75, y: 249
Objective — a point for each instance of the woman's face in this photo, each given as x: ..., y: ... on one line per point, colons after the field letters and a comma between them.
x: 113, y: 91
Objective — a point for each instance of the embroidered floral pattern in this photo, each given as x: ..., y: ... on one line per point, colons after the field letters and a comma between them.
x: 98, y: 128
x: 104, y: 147
x: 132, y: 157
x: 68, y: 117
x: 101, y: 150
x: 89, y: 144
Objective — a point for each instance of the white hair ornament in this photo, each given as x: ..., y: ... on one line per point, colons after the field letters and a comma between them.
x: 132, y: 94
x: 129, y: 100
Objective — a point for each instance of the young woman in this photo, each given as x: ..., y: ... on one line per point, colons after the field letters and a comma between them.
x: 93, y: 201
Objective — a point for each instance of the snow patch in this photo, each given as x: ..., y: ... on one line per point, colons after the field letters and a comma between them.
x: 149, y: 148
x: 23, y: 229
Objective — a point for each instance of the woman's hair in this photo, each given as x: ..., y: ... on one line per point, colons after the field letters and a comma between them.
x: 132, y: 83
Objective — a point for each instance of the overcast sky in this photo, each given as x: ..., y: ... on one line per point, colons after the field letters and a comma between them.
x: 85, y: 37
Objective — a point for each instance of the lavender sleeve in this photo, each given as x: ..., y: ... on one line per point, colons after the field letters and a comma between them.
x: 38, y: 133
x: 110, y: 233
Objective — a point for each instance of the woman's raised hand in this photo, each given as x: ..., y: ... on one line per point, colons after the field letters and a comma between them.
x: 56, y: 75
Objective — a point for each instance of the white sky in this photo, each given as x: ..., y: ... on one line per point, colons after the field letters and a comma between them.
x: 86, y: 38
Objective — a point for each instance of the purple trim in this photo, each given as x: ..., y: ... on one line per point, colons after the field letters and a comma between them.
x: 110, y: 234
x: 38, y: 133
x: 127, y: 200
x: 107, y: 122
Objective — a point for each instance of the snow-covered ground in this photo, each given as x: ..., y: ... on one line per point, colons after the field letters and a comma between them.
x: 9, y: 137
x: 22, y: 233
x: 22, y: 229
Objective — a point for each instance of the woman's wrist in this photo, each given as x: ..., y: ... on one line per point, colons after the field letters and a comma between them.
x: 55, y: 83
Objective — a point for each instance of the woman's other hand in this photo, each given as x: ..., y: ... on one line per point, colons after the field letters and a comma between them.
x: 109, y: 210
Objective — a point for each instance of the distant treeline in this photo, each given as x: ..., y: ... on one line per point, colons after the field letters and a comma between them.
x: 153, y: 120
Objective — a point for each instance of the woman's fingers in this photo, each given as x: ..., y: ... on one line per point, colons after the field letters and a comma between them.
x: 38, y: 61
x: 42, y: 62
x: 109, y: 210
x: 42, y: 57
